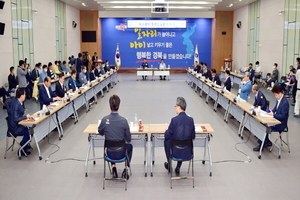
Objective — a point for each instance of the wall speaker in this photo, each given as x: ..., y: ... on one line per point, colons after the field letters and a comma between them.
x: 2, y: 4
x: 74, y: 24
x: 239, y: 24
x: 88, y: 36
x: 2, y: 27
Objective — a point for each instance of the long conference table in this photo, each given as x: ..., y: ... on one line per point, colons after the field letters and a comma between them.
x: 140, y: 139
x: 260, y: 126
x: 235, y: 77
x: 41, y: 125
x: 152, y: 72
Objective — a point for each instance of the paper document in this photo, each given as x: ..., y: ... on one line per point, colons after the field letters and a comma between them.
x: 198, y: 129
x: 134, y: 129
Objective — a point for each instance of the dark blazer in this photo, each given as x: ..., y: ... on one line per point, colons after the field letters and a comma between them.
x: 15, y: 113
x: 97, y: 72
x: 29, y: 78
x: 281, y: 114
x: 73, y: 84
x: 43, y: 96
x: 217, y: 79
x: 92, y: 76
x: 12, y: 81
x: 144, y: 65
x: 197, y: 69
x: 181, y: 127
x: 207, y: 75
x: 227, y: 84
x: 35, y: 74
x: 60, y: 91
x: 251, y: 71
x: 260, y: 100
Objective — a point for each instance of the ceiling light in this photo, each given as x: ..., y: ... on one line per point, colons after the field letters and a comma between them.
x: 83, y: 4
x: 230, y: 5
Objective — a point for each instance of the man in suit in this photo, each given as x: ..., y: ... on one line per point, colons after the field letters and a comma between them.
x: 30, y: 82
x: 60, y: 89
x: 72, y: 81
x: 251, y: 71
x: 35, y: 72
x: 15, y: 112
x: 94, y: 58
x: 215, y: 77
x: 92, y: 73
x: 197, y: 67
x: 144, y: 66
x: 21, y: 74
x: 50, y: 72
x: 206, y: 73
x: 260, y: 99
x: 82, y: 76
x: 115, y: 128
x: 274, y: 76
x: 279, y: 112
x: 245, y: 87
x: 45, y: 93
x: 181, y: 127
x: 97, y: 70
x: 78, y: 65
x: 227, y: 83
x: 12, y: 81
x: 106, y: 66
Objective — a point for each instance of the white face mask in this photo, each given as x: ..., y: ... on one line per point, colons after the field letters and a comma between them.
x: 274, y: 67
x: 45, y: 70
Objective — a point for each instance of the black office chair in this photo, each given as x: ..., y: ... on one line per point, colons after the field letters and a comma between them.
x: 182, y: 150
x: 286, y: 130
x: 115, y: 146
x: 10, y: 135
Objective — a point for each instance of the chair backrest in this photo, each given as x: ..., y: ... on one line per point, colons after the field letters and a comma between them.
x: 182, y: 149
x: 115, y: 145
x: 268, y: 104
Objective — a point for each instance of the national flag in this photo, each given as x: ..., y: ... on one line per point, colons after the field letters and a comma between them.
x: 118, y: 58
x: 196, y: 55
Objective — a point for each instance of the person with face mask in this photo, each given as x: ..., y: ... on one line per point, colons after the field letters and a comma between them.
x: 44, y: 74
x: 82, y: 76
x: 257, y: 73
x: 274, y: 76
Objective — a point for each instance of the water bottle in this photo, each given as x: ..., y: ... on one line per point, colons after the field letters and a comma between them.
x: 135, y: 120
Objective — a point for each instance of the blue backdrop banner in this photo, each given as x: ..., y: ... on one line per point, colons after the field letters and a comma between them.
x: 175, y: 46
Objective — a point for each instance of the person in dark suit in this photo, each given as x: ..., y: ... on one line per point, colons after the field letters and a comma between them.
x: 94, y: 58
x: 30, y: 81
x: 97, y: 70
x: 197, y: 67
x: 45, y: 93
x: 227, y: 83
x: 181, y: 127
x: 260, y: 99
x: 12, y: 81
x: 72, y: 81
x: 60, y: 89
x: 106, y: 66
x: 15, y: 112
x: 144, y: 66
x: 92, y: 73
x: 215, y: 77
x: 50, y: 71
x: 274, y: 76
x: 251, y: 71
x: 35, y: 72
x: 279, y: 112
x: 206, y: 73
x: 115, y: 128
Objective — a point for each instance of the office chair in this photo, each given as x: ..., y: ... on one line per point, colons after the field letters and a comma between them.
x: 182, y: 150
x: 10, y: 135
x: 114, y: 146
x: 286, y: 130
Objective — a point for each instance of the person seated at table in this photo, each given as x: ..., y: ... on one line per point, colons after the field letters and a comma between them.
x: 44, y: 74
x: 102, y: 70
x: 82, y: 76
x: 115, y: 128
x: 45, y: 93
x: 50, y: 71
x: 291, y: 71
x: 144, y: 66
x: 92, y: 73
x: 60, y: 89
x: 55, y: 68
x: 245, y: 87
x: 162, y: 66
x: 68, y: 67
x: 206, y: 73
x: 15, y: 112
x: 106, y: 66
x: 182, y: 127
x: 36, y: 72
x: 286, y: 87
x: 215, y: 77
x: 97, y: 70
x: 257, y: 73
x: 72, y: 81
x: 197, y: 67
x: 260, y: 99
x: 251, y: 71
x: 279, y: 112
x: 227, y: 83
x: 61, y: 67
x: 274, y: 76
x: 12, y: 81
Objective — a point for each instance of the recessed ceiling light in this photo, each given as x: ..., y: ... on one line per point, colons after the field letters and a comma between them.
x: 83, y: 4
x: 230, y: 5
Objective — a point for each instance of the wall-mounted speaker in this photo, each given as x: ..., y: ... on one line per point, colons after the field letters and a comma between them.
x: 2, y: 4
x: 2, y: 28
x: 239, y: 24
x: 74, y: 24
x: 88, y: 36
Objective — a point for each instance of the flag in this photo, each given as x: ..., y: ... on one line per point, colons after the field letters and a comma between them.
x: 118, y: 58
x: 196, y: 55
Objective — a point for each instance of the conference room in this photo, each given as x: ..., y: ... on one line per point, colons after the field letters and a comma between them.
x: 154, y: 64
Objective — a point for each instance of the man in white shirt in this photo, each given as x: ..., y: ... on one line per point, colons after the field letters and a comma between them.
x: 257, y: 73
x: 162, y: 66
x: 297, y: 105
